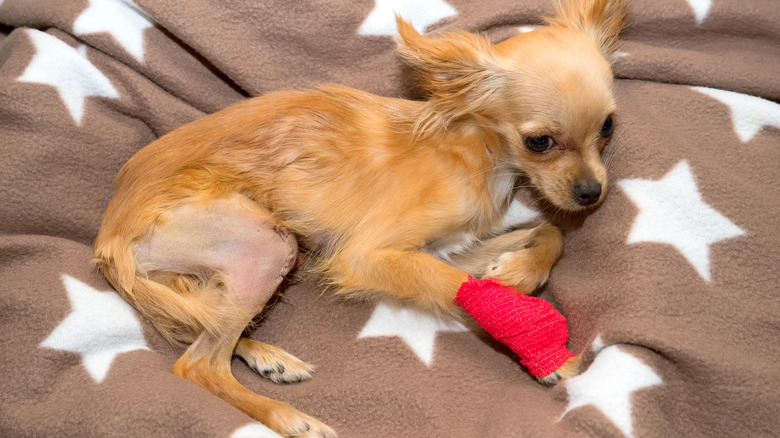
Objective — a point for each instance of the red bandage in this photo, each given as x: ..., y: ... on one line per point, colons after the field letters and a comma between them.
x: 529, y: 326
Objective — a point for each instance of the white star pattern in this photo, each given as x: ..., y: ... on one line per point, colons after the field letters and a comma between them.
x: 608, y: 384
x: 123, y: 20
x: 416, y: 328
x: 254, y: 430
x: 671, y: 211
x: 100, y: 326
x: 68, y: 70
x: 421, y: 13
x: 518, y: 214
x: 700, y: 8
x: 749, y: 114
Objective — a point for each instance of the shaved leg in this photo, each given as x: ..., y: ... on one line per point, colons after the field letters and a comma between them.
x: 238, y: 243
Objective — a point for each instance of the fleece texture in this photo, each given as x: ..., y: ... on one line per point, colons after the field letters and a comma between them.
x: 669, y: 288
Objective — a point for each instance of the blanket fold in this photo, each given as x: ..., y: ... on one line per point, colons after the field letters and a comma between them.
x: 669, y: 288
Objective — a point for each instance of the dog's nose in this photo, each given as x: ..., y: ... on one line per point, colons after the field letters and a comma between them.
x: 587, y: 194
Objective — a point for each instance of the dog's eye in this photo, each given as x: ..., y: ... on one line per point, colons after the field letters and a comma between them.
x: 606, y: 128
x: 539, y: 145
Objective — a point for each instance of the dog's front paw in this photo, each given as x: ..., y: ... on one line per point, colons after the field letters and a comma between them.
x: 529, y: 267
x: 518, y: 269
x: 569, y: 369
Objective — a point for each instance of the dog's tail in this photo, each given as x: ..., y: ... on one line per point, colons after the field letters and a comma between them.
x: 180, y: 306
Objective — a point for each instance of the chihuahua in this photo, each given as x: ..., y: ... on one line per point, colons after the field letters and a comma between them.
x: 391, y: 197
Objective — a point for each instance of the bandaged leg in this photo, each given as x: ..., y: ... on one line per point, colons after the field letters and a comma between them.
x: 529, y: 326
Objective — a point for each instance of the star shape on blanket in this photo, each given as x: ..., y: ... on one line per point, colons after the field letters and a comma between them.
x: 671, y: 211
x: 123, y: 20
x: 608, y: 385
x: 421, y: 13
x: 100, y: 326
x: 68, y: 70
x: 749, y: 114
x: 416, y: 328
x: 254, y: 430
x: 700, y: 9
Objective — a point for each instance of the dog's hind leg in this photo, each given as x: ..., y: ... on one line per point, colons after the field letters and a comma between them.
x: 207, y: 364
x: 232, y: 249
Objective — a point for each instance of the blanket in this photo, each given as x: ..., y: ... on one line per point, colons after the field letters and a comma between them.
x: 670, y: 287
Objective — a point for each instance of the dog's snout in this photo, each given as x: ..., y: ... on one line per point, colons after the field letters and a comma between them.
x: 587, y: 194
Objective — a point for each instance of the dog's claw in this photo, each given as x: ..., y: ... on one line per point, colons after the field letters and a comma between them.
x: 569, y: 369
x: 551, y: 379
x: 278, y: 373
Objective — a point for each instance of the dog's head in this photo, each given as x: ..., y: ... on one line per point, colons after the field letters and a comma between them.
x: 547, y: 93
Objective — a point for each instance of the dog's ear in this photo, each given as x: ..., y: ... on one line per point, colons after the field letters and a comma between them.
x: 602, y: 20
x: 454, y: 65
x: 458, y: 70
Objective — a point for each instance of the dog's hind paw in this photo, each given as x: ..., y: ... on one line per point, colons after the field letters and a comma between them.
x: 272, y: 362
x: 290, y: 422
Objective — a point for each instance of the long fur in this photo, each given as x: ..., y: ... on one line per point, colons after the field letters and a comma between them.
x: 373, y: 187
x: 602, y: 21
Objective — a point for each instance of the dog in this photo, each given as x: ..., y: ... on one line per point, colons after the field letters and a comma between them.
x: 395, y: 198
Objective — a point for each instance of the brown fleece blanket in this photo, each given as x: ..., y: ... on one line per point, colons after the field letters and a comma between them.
x: 670, y: 288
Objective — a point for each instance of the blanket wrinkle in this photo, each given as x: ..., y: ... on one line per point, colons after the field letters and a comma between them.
x: 669, y: 288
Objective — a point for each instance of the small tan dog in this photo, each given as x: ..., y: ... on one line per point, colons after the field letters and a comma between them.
x: 205, y: 222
